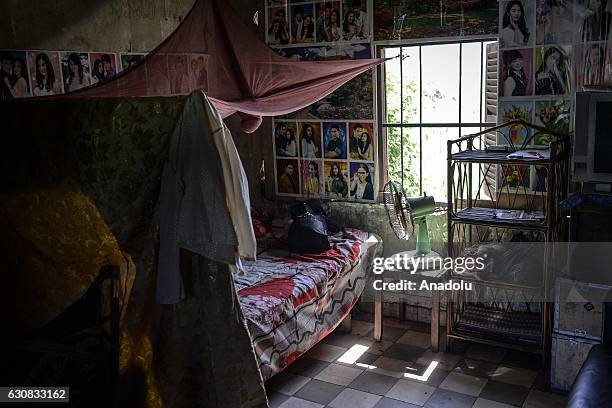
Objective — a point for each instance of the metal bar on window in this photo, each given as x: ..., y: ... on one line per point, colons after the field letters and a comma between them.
x: 460, y: 83
x: 401, y: 62
x: 420, y: 121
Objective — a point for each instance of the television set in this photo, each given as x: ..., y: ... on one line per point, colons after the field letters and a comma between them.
x: 592, y: 154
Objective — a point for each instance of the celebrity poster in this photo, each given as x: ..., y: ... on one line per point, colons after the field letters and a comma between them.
x: 14, y: 77
x: 158, y: 78
x: 310, y: 171
x: 302, y: 23
x: 45, y: 73
x: 278, y: 26
x: 334, y: 135
x: 329, y: 22
x: 592, y: 65
x: 180, y: 80
x: 362, y: 181
x: 515, y: 74
x: 361, y: 141
x: 130, y: 59
x: 75, y: 70
x: 310, y: 139
x: 554, y: 22
x: 285, y: 139
x: 515, y: 23
x: 287, y: 180
x: 103, y: 66
x: 336, y: 179
x: 553, y: 70
x: 198, y: 71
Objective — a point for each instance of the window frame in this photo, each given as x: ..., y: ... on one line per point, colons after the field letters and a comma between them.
x: 381, y: 111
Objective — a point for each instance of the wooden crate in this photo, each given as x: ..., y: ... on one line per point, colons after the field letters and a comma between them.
x: 579, y: 318
x: 568, y: 355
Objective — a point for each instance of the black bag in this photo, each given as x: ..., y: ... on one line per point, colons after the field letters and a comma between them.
x: 308, y: 232
x: 320, y: 207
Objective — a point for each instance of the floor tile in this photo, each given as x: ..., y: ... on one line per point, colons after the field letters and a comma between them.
x: 464, y: 384
x: 446, y: 361
x: 379, y: 347
x: 393, y: 322
x: 367, y: 358
x: 420, y: 327
x: 415, y: 338
x: 393, y: 403
x: 485, y: 403
x: 373, y: 383
x: 361, y: 328
x: 539, y: 399
x: 458, y: 346
x: 326, y: 352
x: 339, y: 374
x: 276, y: 398
x: 390, y: 367
x: 391, y: 333
x: 475, y: 368
x: 485, y: 352
x: 514, y: 375
x: 319, y: 391
x: 404, y: 352
x: 361, y: 316
x: 347, y: 340
x: 411, y: 392
x: 449, y: 399
x: 299, y: 403
x: 308, y: 367
x: 286, y: 383
x: 434, y: 378
x: 506, y: 393
x: 517, y: 358
x: 350, y: 398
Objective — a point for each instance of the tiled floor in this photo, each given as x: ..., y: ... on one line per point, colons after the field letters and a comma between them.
x: 353, y: 371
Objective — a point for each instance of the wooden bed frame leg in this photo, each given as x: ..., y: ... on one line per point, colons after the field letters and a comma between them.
x: 378, y: 315
x: 346, y: 324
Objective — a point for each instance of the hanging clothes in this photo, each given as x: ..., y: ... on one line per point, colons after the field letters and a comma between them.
x: 193, y: 208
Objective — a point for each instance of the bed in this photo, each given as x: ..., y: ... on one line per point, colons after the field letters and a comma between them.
x: 291, y: 302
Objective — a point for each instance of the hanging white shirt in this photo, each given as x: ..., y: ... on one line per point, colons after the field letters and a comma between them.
x: 236, y: 184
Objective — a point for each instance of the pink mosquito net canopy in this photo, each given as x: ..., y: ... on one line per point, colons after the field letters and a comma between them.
x: 213, y: 51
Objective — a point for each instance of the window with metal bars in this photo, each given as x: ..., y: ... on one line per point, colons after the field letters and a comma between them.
x: 431, y: 93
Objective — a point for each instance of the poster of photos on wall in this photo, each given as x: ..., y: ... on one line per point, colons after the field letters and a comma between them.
x: 548, y: 51
x: 290, y: 22
x: 327, y: 159
x: 25, y: 73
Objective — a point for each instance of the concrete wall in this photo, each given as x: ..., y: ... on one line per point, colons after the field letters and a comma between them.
x: 102, y: 25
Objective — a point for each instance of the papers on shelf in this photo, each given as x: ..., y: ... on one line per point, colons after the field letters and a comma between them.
x: 519, y: 215
x: 530, y: 154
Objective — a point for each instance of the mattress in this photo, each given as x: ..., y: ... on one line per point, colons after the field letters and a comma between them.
x: 291, y: 302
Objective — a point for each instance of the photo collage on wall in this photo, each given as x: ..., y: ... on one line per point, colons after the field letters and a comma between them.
x: 327, y: 149
x: 26, y: 73
x: 548, y: 50
x: 332, y: 160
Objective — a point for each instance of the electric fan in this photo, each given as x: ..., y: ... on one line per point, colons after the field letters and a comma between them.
x: 403, y: 214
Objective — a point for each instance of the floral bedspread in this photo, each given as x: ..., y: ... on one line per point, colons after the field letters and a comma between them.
x: 293, y: 301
